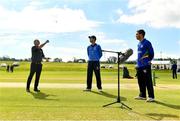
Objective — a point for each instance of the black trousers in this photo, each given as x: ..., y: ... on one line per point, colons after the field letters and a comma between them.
x: 145, y: 81
x: 35, y: 68
x: 93, y: 66
x: 174, y: 74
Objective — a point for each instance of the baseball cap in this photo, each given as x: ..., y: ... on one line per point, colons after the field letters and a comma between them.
x: 93, y: 37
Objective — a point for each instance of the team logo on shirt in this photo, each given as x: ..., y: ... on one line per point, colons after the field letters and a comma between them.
x: 94, y: 48
x: 139, y: 51
x: 145, y: 71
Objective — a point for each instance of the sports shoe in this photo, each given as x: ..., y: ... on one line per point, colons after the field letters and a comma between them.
x: 140, y: 98
x: 100, y: 90
x: 27, y: 90
x: 36, y: 90
x: 150, y: 100
x: 87, y: 90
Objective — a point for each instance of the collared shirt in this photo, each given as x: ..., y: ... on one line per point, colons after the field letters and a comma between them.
x: 145, y: 53
x: 174, y: 67
x: 37, y: 54
x: 94, y: 52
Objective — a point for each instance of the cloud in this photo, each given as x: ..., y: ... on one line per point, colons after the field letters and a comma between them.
x: 167, y: 55
x: 178, y: 42
x: 154, y: 13
x: 36, y: 3
x: 54, y: 20
x: 8, y: 41
x: 66, y: 53
x: 112, y: 43
x: 119, y: 12
x: 115, y: 41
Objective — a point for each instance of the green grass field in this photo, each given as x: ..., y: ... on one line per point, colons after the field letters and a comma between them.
x: 74, y: 104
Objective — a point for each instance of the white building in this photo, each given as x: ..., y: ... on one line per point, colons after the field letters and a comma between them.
x: 158, y: 64
x: 178, y: 65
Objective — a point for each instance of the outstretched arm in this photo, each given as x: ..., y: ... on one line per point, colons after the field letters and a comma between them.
x: 42, y: 45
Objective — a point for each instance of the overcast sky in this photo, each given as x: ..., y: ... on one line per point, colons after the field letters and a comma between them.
x: 68, y: 23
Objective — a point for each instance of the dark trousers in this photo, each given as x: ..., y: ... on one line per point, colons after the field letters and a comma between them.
x: 174, y: 73
x: 145, y: 81
x: 35, y: 68
x: 93, y: 66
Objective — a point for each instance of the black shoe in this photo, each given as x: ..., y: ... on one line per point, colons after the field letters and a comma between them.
x: 27, y: 90
x: 36, y: 90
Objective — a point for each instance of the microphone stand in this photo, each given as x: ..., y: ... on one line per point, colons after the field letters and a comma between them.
x: 118, y: 97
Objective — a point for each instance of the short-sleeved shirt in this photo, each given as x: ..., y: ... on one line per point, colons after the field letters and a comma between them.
x: 37, y: 54
x: 145, y: 53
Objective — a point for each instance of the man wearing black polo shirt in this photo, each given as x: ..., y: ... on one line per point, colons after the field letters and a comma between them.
x: 36, y: 66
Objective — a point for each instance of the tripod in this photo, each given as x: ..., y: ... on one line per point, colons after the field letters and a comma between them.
x: 118, y: 97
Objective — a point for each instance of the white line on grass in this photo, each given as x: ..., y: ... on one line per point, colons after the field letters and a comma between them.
x: 79, y: 86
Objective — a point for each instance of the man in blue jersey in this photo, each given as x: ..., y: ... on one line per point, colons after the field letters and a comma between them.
x: 145, y: 55
x: 94, y: 54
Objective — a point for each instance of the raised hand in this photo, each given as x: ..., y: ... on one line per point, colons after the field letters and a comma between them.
x: 47, y: 41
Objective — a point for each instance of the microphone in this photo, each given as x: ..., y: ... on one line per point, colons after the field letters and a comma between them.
x: 124, y: 56
x: 47, y: 41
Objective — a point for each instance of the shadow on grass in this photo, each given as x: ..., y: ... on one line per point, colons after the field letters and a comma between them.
x: 42, y: 96
x: 105, y: 94
x: 168, y: 105
x: 157, y: 116
x: 161, y: 116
